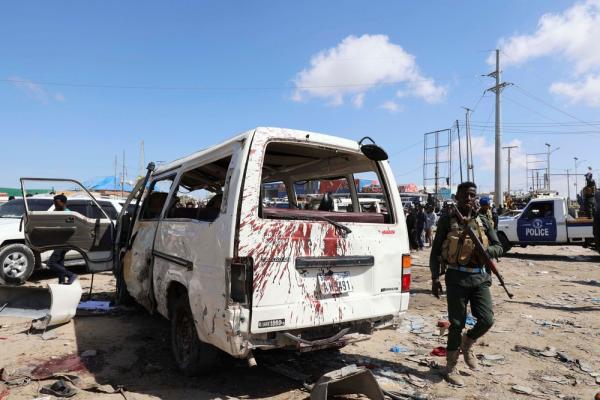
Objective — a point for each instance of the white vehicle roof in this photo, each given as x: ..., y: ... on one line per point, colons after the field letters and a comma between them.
x: 279, y: 133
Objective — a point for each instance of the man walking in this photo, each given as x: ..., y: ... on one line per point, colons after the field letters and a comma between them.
x: 467, y: 278
x: 56, y: 262
x: 430, y: 221
x: 420, y: 226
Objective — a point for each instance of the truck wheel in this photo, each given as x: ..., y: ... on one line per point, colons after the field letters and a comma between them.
x: 17, y: 263
x: 506, y: 246
x: 193, y: 357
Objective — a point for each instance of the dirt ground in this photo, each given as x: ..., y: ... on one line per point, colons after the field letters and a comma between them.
x: 556, y: 310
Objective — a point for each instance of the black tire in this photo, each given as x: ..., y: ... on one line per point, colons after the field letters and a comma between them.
x: 506, y: 246
x: 17, y: 262
x: 193, y: 357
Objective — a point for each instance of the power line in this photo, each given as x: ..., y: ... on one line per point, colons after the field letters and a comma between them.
x: 213, y: 88
x: 531, y: 95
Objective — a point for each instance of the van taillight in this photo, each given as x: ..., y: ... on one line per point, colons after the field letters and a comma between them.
x: 241, y: 279
x: 405, y: 272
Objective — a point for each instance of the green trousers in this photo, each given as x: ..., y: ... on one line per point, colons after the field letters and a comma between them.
x: 463, y: 288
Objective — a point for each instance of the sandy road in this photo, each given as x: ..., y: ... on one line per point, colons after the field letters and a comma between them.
x: 556, y: 306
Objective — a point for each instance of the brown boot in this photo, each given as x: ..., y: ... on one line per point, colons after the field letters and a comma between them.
x: 452, y: 374
x: 467, y: 348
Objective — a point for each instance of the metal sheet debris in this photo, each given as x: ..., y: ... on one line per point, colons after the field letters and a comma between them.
x: 49, y: 306
x: 347, y: 380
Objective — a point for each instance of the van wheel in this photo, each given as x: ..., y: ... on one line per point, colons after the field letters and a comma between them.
x: 193, y: 357
x: 506, y: 246
x: 17, y: 263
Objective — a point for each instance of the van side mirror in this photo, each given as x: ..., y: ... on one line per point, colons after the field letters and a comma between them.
x: 372, y: 151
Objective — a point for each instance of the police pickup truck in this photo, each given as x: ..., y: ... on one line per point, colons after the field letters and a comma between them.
x: 545, y: 221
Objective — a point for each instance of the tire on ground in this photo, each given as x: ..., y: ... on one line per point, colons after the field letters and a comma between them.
x: 17, y: 262
x: 193, y: 357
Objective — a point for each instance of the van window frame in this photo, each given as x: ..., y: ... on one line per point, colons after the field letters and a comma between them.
x: 172, y: 175
x: 378, y: 170
x: 179, y: 176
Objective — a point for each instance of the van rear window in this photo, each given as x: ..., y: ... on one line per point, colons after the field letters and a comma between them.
x: 310, y: 182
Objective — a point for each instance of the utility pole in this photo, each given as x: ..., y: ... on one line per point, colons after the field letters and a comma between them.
x: 115, y: 176
x: 470, y: 170
x: 568, y: 189
x: 460, y: 161
x: 123, y: 175
x: 141, y: 161
x: 509, y: 149
x: 576, y: 192
x: 497, y: 89
x: 548, y: 152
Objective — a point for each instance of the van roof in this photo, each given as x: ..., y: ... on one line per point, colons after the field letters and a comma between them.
x: 268, y: 132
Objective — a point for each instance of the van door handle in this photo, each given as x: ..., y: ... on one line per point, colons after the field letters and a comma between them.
x: 70, y: 220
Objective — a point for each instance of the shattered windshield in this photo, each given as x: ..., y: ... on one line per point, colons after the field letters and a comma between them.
x: 16, y: 208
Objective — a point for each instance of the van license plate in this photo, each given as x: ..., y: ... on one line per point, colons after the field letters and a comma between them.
x: 336, y: 283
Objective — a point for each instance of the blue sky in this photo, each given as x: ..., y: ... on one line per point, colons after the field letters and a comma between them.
x: 133, y: 72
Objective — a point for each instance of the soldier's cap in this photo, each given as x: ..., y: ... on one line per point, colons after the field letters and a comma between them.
x: 484, y: 201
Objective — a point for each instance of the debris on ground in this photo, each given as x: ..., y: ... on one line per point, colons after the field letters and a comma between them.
x: 95, y: 305
x: 522, y: 389
x: 470, y: 321
x: 443, y: 325
x: 439, y: 351
x: 348, y: 380
x: 60, y: 388
x: 398, y: 349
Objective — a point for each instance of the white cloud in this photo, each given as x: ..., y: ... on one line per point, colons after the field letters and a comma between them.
x: 586, y: 91
x: 390, y: 106
x: 36, y: 91
x: 358, y: 100
x: 358, y: 64
x: 572, y: 35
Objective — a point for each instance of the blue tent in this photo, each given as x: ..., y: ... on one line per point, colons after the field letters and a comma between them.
x: 107, y: 183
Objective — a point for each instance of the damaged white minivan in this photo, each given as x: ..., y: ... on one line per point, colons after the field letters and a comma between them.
x: 206, y: 247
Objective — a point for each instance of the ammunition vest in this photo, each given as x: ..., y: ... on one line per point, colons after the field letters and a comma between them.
x: 589, y: 191
x: 459, y: 251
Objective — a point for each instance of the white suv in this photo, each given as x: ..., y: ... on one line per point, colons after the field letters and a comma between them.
x: 17, y: 260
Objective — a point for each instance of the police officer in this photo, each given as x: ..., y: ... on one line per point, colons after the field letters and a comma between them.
x: 467, y: 280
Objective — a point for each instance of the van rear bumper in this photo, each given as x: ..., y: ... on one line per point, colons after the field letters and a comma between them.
x: 330, y: 311
x: 322, y: 337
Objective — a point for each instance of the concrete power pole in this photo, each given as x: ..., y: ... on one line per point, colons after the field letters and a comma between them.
x: 470, y: 170
x: 508, y: 175
x: 460, y: 161
x: 497, y: 89
x: 548, y: 152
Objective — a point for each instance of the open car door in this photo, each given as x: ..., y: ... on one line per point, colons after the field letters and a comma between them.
x: 50, y: 230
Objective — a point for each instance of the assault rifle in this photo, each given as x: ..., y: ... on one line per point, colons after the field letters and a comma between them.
x: 488, y: 260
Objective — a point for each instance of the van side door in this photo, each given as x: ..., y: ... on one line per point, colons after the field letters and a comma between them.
x: 51, y: 230
x: 137, y: 262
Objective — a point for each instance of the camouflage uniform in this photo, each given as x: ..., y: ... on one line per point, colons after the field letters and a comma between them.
x: 467, y: 280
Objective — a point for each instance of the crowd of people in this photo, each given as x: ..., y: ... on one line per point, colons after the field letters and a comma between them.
x: 422, y: 218
x: 420, y: 221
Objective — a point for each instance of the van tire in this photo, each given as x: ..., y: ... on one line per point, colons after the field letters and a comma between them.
x: 506, y: 246
x: 17, y: 262
x: 193, y: 357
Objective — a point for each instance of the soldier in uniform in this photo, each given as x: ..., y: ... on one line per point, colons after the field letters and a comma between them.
x: 467, y: 279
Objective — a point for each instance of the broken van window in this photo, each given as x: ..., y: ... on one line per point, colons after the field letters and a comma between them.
x: 155, y: 200
x: 200, y: 192
x: 325, y: 180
